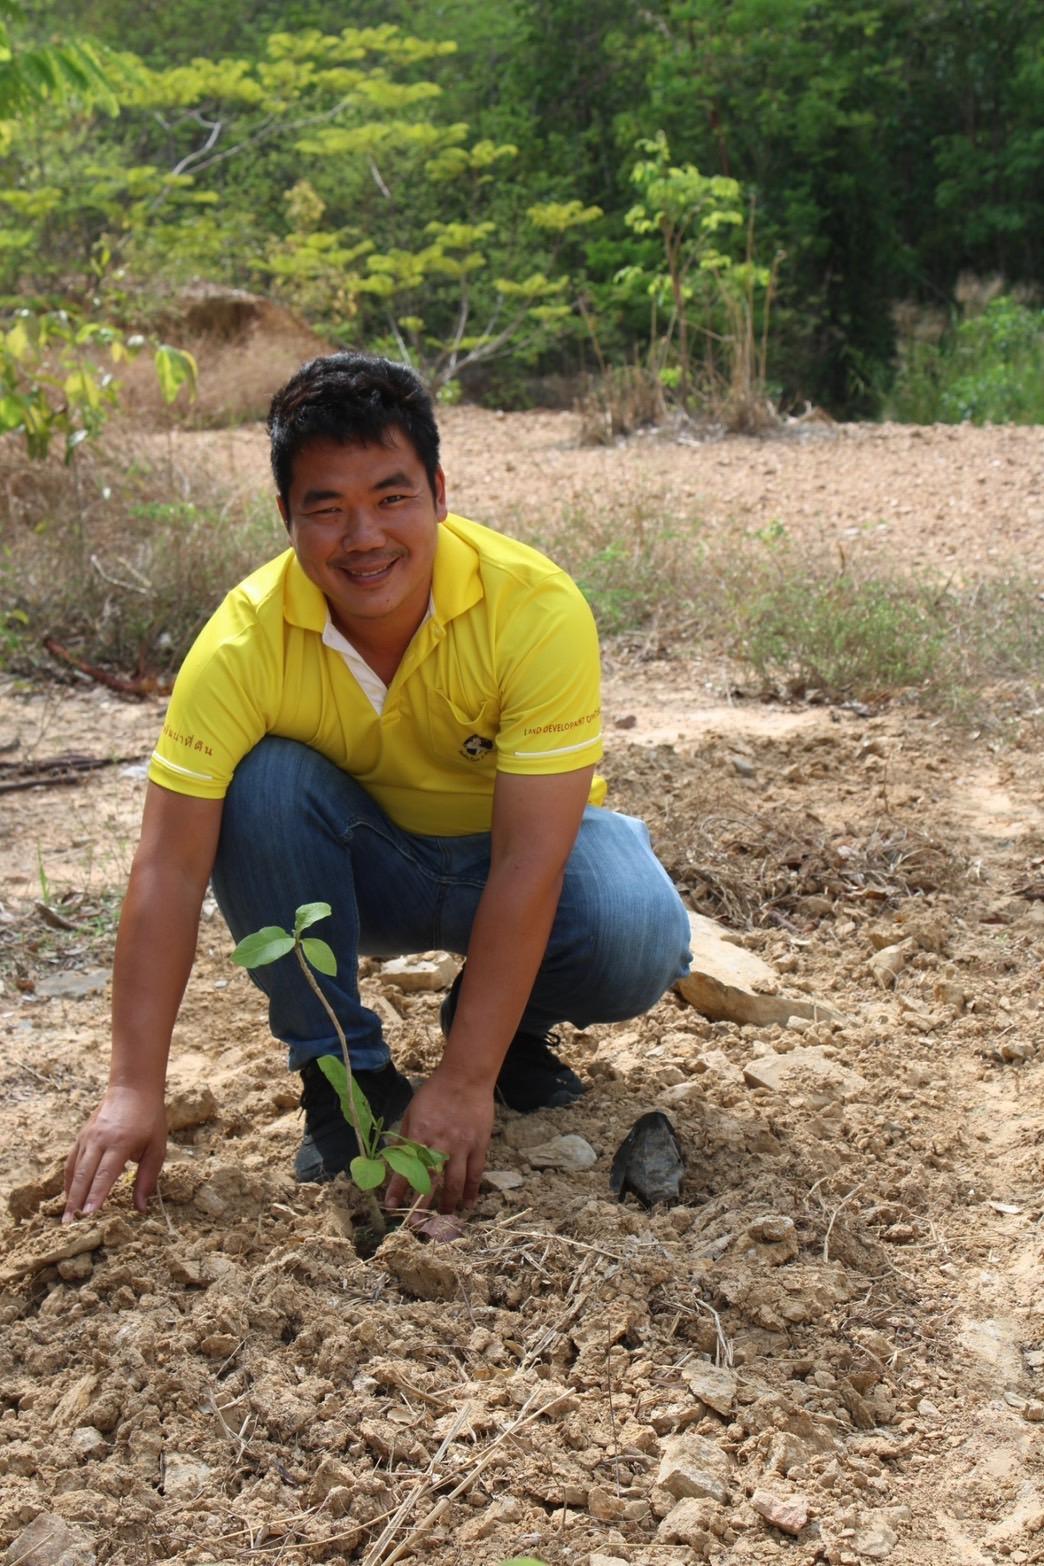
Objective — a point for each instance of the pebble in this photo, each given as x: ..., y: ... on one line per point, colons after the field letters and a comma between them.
x: 435, y: 971
x: 502, y: 1179
x: 788, y: 1513
x: 87, y: 1441
x: 713, y: 1385
x: 567, y: 1153
x: 183, y: 1475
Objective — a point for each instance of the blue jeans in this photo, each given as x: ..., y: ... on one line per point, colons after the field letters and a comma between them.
x: 296, y: 829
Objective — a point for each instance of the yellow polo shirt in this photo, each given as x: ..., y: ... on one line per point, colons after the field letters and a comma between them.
x: 503, y: 676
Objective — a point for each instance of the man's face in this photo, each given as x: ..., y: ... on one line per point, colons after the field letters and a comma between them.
x: 364, y: 524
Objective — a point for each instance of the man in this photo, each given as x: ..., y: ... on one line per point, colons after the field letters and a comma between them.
x: 398, y: 716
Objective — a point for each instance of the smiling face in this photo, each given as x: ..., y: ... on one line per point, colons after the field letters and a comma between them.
x: 364, y: 524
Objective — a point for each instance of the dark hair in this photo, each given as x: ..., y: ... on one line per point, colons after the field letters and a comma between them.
x: 350, y: 398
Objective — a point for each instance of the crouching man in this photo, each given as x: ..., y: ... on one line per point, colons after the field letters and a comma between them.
x: 399, y: 716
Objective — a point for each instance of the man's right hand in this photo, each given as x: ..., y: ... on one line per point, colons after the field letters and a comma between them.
x: 129, y: 1126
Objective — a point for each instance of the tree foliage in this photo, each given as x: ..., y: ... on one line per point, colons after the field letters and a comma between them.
x: 383, y: 177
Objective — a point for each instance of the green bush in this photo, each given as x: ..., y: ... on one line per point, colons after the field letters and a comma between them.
x: 988, y: 370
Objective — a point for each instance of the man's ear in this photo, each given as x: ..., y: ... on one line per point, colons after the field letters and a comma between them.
x: 441, y: 508
x: 281, y: 503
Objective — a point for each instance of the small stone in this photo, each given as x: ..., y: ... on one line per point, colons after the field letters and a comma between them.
x: 1014, y: 1050
x: 50, y: 1541
x: 606, y: 1560
x: 73, y: 986
x: 190, y: 1106
x: 772, y: 1230
x: 429, y: 971
x: 742, y: 766
x: 788, y: 1513
x: 184, y: 1476
x: 887, y: 964
x: 928, y: 1410
x: 693, y: 1466
x: 503, y: 1179
x: 568, y: 1153
x: 603, y: 1506
x: 87, y: 1441
x: 692, y: 1522
x: 875, y: 1541
x: 713, y: 1385
x: 218, y: 1345
x: 75, y: 1268
x: 1034, y: 1412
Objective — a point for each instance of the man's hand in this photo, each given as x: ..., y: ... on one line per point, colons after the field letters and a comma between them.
x: 454, y: 1119
x: 129, y: 1126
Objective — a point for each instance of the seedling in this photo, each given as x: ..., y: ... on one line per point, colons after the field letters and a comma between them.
x: 369, y: 1168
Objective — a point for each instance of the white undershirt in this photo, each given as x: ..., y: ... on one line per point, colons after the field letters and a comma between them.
x: 371, y: 684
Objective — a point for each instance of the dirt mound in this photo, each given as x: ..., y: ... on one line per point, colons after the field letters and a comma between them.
x: 830, y: 1348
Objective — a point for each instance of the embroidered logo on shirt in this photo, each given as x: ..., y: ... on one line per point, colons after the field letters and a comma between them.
x: 475, y: 747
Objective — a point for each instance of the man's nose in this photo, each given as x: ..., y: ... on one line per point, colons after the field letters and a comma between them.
x: 362, y: 529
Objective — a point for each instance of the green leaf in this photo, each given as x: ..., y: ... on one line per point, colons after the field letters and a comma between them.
x: 264, y: 946
x: 332, y: 1068
x: 368, y: 1173
x: 319, y: 955
x: 309, y: 914
x: 406, y: 1163
x: 174, y: 369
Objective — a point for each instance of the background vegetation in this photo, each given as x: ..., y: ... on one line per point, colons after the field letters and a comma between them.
x: 730, y: 206
x: 447, y: 176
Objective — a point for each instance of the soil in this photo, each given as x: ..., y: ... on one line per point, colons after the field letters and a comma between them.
x: 832, y: 1349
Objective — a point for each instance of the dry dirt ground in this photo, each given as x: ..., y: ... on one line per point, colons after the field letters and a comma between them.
x: 844, y: 1313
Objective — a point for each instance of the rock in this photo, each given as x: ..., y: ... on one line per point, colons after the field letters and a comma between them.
x: 726, y: 983
x: 773, y: 1229
x: 502, y: 1179
x: 50, y: 1541
x: 568, y: 1153
x: 87, y: 1441
x: 604, y: 1506
x: 781, y: 1072
x: 77, y: 1242
x: 875, y: 1541
x: 190, y: 1106
x: 693, y: 1466
x: 648, y: 1163
x: 718, y: 1064
x: 692, y: 1522
x: 788, y: 1513
x: 430, y: 971
x: 74, y: 1269
x: 1034, y: 1411
x: 713, y: 1385
x: 184, y: 1476
x: 73, y: 986
x: 887, y: 964
x: 606, y: 1560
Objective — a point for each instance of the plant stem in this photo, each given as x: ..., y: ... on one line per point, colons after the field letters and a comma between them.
x: 376, y: 1216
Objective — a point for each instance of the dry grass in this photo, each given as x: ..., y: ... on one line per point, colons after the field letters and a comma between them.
x: 120, y: 557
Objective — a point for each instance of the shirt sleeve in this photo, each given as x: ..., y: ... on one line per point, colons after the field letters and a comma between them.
x: 214, y: 717
x: 551, y: 710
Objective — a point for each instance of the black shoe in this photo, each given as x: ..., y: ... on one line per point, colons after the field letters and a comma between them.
x: 532, y: 1076
x: 328, y: 1145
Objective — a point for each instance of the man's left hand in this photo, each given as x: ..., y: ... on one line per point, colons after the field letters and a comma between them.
x: 454, y: 1119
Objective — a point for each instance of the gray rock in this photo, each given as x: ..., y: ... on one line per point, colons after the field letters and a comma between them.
x: 567, y: 1153
x: 649, y: 1163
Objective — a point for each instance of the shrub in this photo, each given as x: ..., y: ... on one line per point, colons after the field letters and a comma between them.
x: 989, y: 369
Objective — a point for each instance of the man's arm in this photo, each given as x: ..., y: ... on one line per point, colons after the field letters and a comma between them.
x: 535, y: 823
x: 155, y: 948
